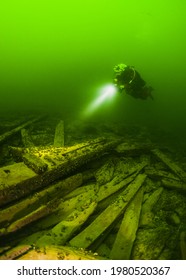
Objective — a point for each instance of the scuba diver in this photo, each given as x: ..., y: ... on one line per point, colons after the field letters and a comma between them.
x: 127, y: 79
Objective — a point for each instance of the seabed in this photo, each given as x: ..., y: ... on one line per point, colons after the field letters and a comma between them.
x: 73, y: 189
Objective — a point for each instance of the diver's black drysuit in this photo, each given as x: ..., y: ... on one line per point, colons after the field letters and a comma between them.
x: 128, y: 79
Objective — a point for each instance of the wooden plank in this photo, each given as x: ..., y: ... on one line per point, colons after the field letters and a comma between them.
x: 15, y: 174
x: 120, y: 181
x: 82, y: 190
x: 40, y: 212
x: 26, y: 138
x: 35, y: 163
x: 65, y: 208
x: 65, y: 165
x: 32, y: 202
x: 160, y: 174
x: 85, y: 238
x: 126, y: 235
x: 15, y: 252
x: 66, y: 228
x: 8, y: 134
x: 147, y: 215
x: 172, y: 165
x: 110, y: 188
x: 14, y: 181
x: 27, y: 252
x: 150, y: 242
x: 58, y: 253
x: 59, y: 140
x: 133, y: 148
x: 174, y: 184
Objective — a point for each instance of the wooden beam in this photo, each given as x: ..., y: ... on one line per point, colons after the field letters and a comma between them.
x: 85, y: 238
x: 13, y: 131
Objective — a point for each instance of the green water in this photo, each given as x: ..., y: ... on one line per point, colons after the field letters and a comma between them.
x: 55, y: 54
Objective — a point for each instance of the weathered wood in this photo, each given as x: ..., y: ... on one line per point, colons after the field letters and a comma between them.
x: 150, y: 243
x: 8, y: 134
x: 146, y: 218
x: 85, y: 238
x: 16, y: 153
x: 66, y: 228
x: 35, y: 163
x: 105, y: 173
x: 28, y: 252
x: 172, y: 165
x: 66, y: 207
x: 4, y: 249
x: 15, y: 252
x: 40, y: 212
x: 82, y: 190
x: 159, y: 174
x: 133, y: 148
x: 64, y: 165
x: 110, y: 188
x: 51, y: 153
x: 59, y: 135
x: 15, y: 179
x: 14, y: 174
x: 32, y: 202
x: 174, y: 184
x: 26, y: 138
x: 58, y: 253
x: 120, y: 181
x: 103, y: 204
x: 126, y: 235
x: 117, y: 190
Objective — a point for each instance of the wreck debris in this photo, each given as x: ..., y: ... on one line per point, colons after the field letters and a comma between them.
x: 59, y: 135
x: 58, y: 253
x: 105, y: 173
x: 107, y: 217
x: 112, y: 187
x: 150, y: 242
x: 133, y: 149
x: 147, y: 216
x: 172, y: 165
x: 174, y: 184
x: 28, y: 252
x: 8, y: 134
x: 160, y: 174
x: 65, y: 208
x: 12, y: 185
x: 16, y: 252
x: 32, y: 203
x: 42, y: 211
x: 26, y: 138
x: 14, y: 179
x: 57, y: 196
x: 126, y: 235
x: 64, y: 230
x: 35, y: 163
x: 120, y: 181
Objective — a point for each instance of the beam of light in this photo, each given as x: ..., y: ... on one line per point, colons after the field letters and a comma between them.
x: 106, y: 93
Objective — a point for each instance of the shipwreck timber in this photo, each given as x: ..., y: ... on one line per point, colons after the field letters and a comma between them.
x: 104, y: 195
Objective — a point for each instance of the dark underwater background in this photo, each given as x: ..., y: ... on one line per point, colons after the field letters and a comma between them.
x: 54, y: 55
